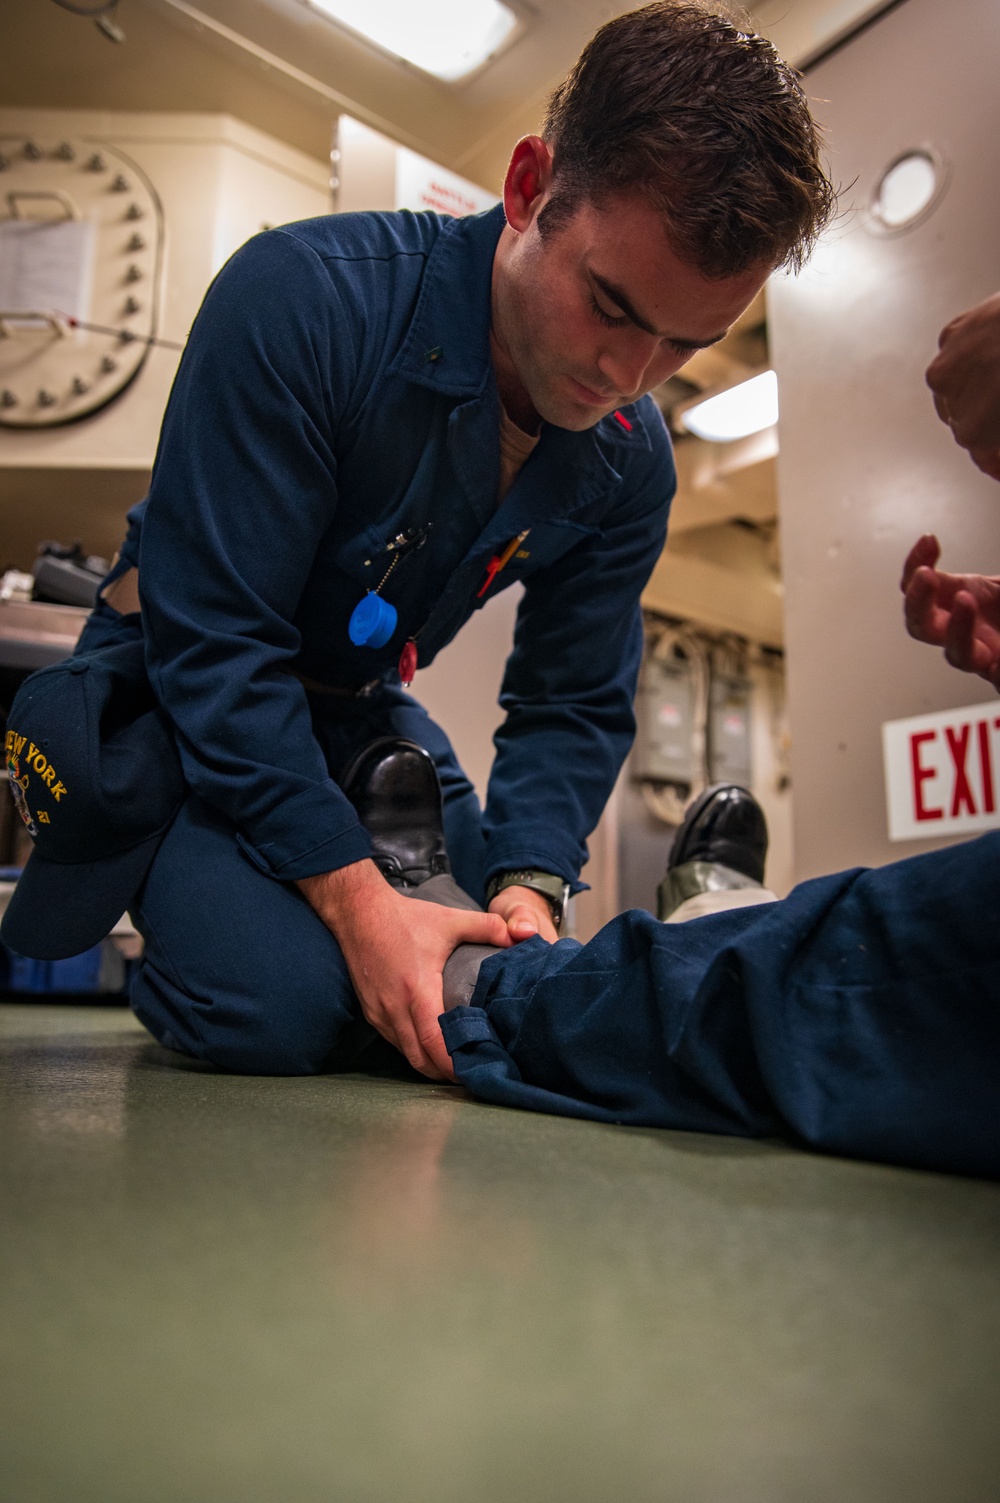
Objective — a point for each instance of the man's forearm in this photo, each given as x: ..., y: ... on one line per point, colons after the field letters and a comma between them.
x: 334, y: 895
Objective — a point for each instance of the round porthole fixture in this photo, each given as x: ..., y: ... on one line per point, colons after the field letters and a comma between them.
x: 908, y: 191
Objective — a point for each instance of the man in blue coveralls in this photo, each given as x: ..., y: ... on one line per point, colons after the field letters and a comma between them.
x: 402, y: 409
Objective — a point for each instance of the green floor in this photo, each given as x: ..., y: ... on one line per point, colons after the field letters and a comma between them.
x: 280, y: 1291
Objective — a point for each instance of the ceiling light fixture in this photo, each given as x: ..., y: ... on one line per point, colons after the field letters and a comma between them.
x: 448, y: 38
x: 735, y: 413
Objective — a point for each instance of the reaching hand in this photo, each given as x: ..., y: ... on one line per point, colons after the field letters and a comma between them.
x: 395, y: 951
x: 965, y: 379
x: 959, y: 612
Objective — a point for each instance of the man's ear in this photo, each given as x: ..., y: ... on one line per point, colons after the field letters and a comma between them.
x: 526, y: 186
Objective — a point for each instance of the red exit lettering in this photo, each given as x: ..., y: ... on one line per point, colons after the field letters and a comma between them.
x: 958, y: 745
x: 957, y: 739
x: 920, y: 776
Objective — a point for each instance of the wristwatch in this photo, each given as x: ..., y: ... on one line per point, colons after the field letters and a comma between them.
x: 554, y: 888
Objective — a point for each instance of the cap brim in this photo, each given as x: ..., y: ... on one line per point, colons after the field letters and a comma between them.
x: 59, y: 909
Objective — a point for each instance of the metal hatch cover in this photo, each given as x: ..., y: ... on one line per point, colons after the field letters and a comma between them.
x: 81, y: 242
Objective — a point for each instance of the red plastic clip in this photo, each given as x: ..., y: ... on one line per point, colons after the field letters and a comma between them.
x: 408, y: 663
x: 623, y: 420
x: 492, y: 570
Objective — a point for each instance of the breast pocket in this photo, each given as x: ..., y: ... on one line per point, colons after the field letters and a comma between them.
x: 364, y: 556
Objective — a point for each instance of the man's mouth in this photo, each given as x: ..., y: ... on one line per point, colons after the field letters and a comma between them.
x: 589, y: 396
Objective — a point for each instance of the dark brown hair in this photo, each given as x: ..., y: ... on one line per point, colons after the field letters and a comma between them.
x: 678, y: 103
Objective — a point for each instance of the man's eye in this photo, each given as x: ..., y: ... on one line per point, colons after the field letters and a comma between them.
x: 686, y: 350
x: 606, y: 318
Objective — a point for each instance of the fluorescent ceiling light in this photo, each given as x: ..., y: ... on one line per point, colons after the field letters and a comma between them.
x: 446, y: 37
x: 741, y: 410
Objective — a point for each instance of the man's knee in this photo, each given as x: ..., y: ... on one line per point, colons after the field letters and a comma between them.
x: 301, y: 1027
x: 238, y: 969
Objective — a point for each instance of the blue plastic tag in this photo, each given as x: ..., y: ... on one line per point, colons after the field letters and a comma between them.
x: 372, y: 622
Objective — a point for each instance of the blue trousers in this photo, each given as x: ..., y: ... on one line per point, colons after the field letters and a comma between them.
x: 861, y: 1016
x: 237, y: 968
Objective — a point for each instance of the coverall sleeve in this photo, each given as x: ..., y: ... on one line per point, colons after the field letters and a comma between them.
x: 244, y: 486
x: 569, y: 687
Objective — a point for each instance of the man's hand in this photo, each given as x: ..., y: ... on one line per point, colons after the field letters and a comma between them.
x: 395, y: 951
x: 965, y: 379
x: 959, y: 612
x: 526, y: 913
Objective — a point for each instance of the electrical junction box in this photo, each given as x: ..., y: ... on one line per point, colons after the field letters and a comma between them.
x: 729, y: 713
x: 665, y: 703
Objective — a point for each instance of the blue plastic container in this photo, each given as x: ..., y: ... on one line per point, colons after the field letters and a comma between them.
x: 79, y: 973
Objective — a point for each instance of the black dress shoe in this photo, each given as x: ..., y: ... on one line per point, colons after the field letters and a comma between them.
x: 721, y: 845
x: 393, y: 784
x: 725, y: 825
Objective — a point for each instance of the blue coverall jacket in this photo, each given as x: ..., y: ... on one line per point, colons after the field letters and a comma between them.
x: 337, y: 390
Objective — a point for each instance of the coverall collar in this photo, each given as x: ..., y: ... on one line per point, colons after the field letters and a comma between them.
x: 447, y: 346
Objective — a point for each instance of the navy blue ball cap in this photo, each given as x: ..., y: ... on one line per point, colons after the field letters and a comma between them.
x: 96, y: 778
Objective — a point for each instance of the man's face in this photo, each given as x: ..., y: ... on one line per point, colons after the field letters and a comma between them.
x: 594, y: 315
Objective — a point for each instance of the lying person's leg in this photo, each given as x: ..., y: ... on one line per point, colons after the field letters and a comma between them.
x: 861, y: 1014
x: 716, y: 864
x: 717, y: 857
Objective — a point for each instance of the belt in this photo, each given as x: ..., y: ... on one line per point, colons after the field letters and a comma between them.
x: 337, y: 691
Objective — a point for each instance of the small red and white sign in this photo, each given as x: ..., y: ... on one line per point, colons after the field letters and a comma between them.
x: 422, y: 184
x: 942, y: 772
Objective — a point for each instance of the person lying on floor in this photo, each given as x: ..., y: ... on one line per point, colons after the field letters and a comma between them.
x: 858, y: 1016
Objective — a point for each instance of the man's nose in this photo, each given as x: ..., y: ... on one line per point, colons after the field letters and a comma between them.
x: 625, y: 369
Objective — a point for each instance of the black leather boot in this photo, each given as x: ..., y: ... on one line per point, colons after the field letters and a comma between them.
x: 721, y: 846
x: 393, y: 784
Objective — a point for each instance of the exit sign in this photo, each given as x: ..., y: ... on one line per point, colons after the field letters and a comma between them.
x: 942, y: 772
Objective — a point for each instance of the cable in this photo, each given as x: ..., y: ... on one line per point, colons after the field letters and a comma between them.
x: 68, y: 321
x: 125, y: 335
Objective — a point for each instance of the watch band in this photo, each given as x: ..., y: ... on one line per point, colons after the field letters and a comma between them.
x: 552, y: 887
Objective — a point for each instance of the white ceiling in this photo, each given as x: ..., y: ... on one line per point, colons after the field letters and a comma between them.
x: 466, y: 126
